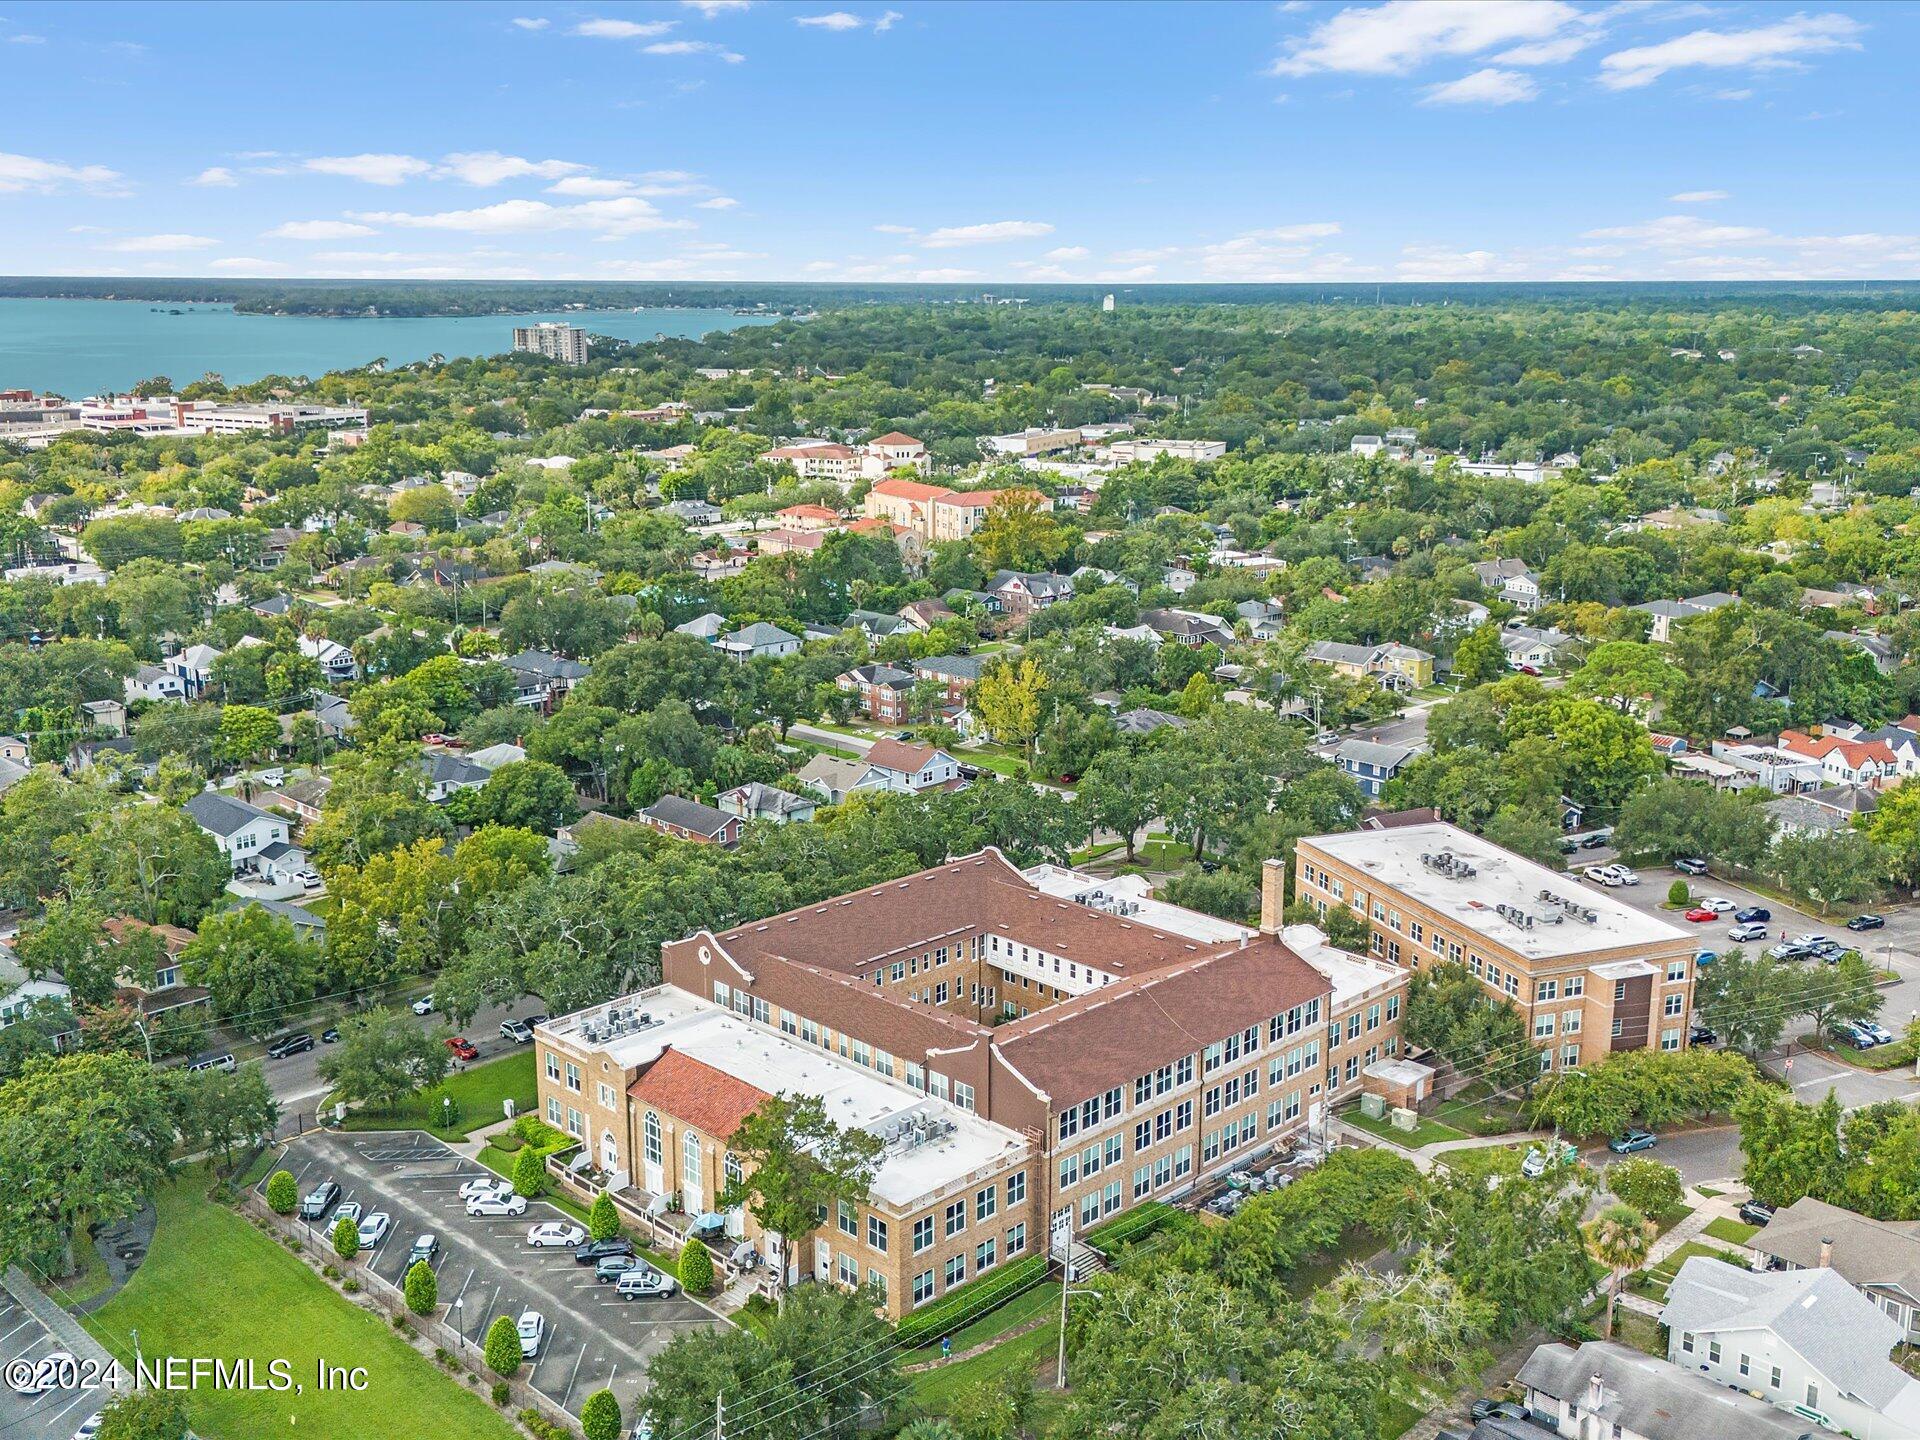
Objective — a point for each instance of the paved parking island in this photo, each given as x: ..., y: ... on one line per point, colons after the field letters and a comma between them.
x: 486, y: 1268
x: 53, y: 1414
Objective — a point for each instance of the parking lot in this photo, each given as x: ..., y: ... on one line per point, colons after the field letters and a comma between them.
x: 486, y: 1268
x: 54, y: 1415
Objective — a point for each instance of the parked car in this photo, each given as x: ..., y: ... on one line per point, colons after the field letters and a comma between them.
x: 1624, y: 874
x: 329, y: 1035
x: 1787, y: 950
x: 1601, y: 875
x: 90, y: 1426
x: 1866, y: 922
x: 1756, y: 1212
x: 517, y: 1031
x: 425, y: 1248
x: 594, y: 1251
x: 310, y: 879
x: 1746, y: 934
x: 1827, y: 952
x: 296, y: 1044
x: 612, y: 1267
x: 1753, y: 912
x: 1720, y: 905
x: 218, y: 1060
x: 462, y: 1048
x: 643, y: 1280
x: 1858, y: 1036
x: 532, y: 1326
x: 483, y: 1185
x: 1880, y: 1033
x: 1700, y: 915
x: 497, y: 1202
x: 319, y: 1200
x: 1496, y: 1410
x: 1691, y: 865
x: 1598, y: 840
x: 347, y: 1210
x: 424, y: 1005
x: 1634, y: 1139
x: 552, y: 1233
x: 1808, y: 940
x: 374, y: 1228
x: 1701, y: 1035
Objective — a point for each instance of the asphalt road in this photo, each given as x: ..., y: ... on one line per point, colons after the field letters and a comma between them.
x: 54, y: 1414
x: 1701, y: 1156
x: 296, y: 1083
x: 485, y: 1267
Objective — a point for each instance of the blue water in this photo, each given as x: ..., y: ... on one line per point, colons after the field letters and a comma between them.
x: 87, y: 347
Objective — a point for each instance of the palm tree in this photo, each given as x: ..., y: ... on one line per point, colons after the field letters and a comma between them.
x: 1619, y: 1238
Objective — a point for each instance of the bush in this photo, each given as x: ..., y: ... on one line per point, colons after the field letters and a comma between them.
x: 696, y: 1268
x: 502, y: 1352
x: 501, y: 1393
x: 346, y: 1238
x: 1678, y: 893
x: 144, y: 1414
x: 422, y: 1288
x: 603, y: 1221
x: 283, y: 1195
x: 530, y: 1173
x: 349, y: 1286
x: 1647, y: 1185
x: 600, y: 1416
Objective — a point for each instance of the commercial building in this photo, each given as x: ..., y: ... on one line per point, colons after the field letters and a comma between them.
x: 932, y: 512
x: 567, y: 343
x: 1591, y: 975
x: 1039, y: 1051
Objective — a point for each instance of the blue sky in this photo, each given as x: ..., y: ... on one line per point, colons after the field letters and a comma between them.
x: 1123, y: 143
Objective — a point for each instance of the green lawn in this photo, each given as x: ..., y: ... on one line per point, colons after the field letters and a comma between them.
x: 1880, y: 1057
x: 1735, y: 1232
x: 214, y: 1286
x: 1640, y: 1332
x: 476, y: 1093
x: 1427, y: 1132
x: 1653, y: 1283
x: 1481, y: 1116
x: 934, y: 1390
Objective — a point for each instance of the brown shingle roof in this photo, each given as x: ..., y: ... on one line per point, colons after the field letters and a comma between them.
x: 710, y: 1100
x: 899, y: 755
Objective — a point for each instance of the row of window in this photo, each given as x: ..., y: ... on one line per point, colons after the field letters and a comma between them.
x: 985, y: 1204
x: 986, y: 1255
x: 1688, y: 1346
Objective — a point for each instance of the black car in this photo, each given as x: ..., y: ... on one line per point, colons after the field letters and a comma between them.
x: 1701, y: 1035
x: 594, y: 1251
x: 1496, y: 1409
x: 329, y: 1035
x: 1596, y: 841
x: 1865, y: 922
x: 1753, y: 913
x: 1756, y: 1212
x: 290, y: 1045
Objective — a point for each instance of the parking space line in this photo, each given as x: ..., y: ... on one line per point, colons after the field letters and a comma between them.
x: 574, y: 1376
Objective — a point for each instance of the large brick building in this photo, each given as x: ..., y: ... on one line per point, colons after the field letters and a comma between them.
x: 1591, y: 974
x: 1040, y: 1051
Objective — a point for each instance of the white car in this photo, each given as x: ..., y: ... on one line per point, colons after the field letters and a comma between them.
x: 374, y: 1228
x: 556, y: 1232
x: 349, y: 1210
x: 1624, y: 875
x: 517, y: 1031
x: 497, y: 1202
x: 424, y: 1005
x: 532, y: 1326
x: 1601, y: 875
x: 643, y: 1280
x: 1718, y: 904
x: 484, y: 1185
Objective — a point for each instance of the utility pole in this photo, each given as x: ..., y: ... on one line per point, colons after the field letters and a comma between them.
x: 719, y: 1416
x: 1066, y: 1289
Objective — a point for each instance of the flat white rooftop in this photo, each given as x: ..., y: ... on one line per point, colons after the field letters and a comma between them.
x: 1350, y: 975
x: 1499, y: 878
x: 932, y: 1144
x: 1113, y: 893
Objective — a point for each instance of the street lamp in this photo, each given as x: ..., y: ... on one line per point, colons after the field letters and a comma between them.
x: 459, y: 1325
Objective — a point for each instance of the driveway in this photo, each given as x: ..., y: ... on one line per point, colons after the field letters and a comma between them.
x: 485, y: 1267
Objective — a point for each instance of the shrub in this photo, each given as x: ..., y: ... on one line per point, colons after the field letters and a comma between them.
x: 422, y: 1288
x: 1647, y: 1185
x: 282, y: 1194
x: 502, y: 1352
x: 144, y: 1414
x: 600, y: 1416
x: 346, y: 1237
x: 501, y: 1393
x: 349, y: 1286
x: 696, y: 1268
x: 529, y: 1173
x: 603, y: 1221
x: 1678, y: 893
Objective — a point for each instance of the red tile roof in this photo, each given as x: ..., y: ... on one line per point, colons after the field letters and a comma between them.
x: 711, y: 1101
x: 911, y: 490
x: 894, y: 437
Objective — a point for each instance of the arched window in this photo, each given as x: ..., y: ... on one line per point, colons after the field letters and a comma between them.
x: 690, y: 1161
x: 653, y: 1138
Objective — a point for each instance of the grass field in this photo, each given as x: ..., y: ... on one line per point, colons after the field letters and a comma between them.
x: 214, y: 1286
x: 476, y: 1092
x: 1653, y: 1283
x: 1427, y: 1132
x: 1481, y: 1116
x: 1735, y: 1232
x: 1031, y: 1355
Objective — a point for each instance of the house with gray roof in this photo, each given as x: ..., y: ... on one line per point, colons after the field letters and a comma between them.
x: 708, y: 627
x: 750, y: 642
x: 755, y: 801
x: 1145, y: 720
x: 541, y: 678
x: 1665, y: 614
x: 1604, y: 1389
x: 1879, y: 1258
x: 1371, y: 764
x: 690, y: 820
x: 242, y: 831
x: 1805, y: 1341
x: 447, y: 773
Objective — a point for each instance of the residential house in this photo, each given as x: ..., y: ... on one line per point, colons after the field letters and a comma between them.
x: 337, y: 665
x: 692, y: 512
x: 874, y: 625
x: 335, y: 719
x: 1512, y: 580
x: 12, y: 772
x: 540, y: 678
x: 708, y: 627
x: 719, y: 564
x: 1876, y: 648
x: 1803, y: 1340
x: 1605, y: 1391
x: 883, y: 691
x: 809, y: 517
x: 153, y: 988
x: 787, y: 542
x: 108, y: 716
x: 690, y: 820
x: 1264, y: 619
x: 1879, y: 1258
x: 835, y: 778
x: 273, y: 607
x: 448, y: 773
x: 1145, y: 720
x: 1845, y: 762
x: 957, y: 672
x: 1190, y: 628
x: 194, y: 665
x: 1665, y: 614
x: 923, y: 615
x: 1017, y: 594
x: 1770, y: 766
x: 1394, y: 666
x: 1372, y: 764
x: 242, y: 831
x: 755, y: 801
x: 1529, y: 647
x: 305, y: 799
x: 491, y: 757
x: 909, y: 768
x: 153, y: 682
x: 83, y: 755
x: 20, y: 992
x: 752, y: 642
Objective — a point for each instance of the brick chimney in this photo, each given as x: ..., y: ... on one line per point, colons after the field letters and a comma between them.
x: 1826, y: 1253
x: 1273, y: 894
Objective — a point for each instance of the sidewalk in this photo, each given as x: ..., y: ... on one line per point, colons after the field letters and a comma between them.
x: 1426, y: 1155
x: 67, y: 1329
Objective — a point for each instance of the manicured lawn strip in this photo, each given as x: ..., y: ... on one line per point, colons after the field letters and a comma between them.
x: 1880, y: 1057
x: 1427, y: 1132
x: 1671, y: 1217
x: 1736, y: 1232
x: 1653, y: 1283
x: 1481, y: 1117
x: 1396, y: 1417
x: 935, y: 1390
x: 1709, y: 1191
x: 213, y: 1285
x: 477, y: 1094
x: 1042, y: 1299
x: 1641, y: 1332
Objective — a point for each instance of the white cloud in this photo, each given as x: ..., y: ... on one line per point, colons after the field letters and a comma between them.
x: 713, y: 9
x: 591, y: 187
x: 895, y: 229
x: 160, y: 244
x: 832, y: 20
x: 1768, y: 47
x: 886, y: 21
x: 1483, y: 87
x: 373, y: 169
x: 318, y: 230
x: 526, y: 22
x: 1549, y: 52
x: 1438, y: 263
x: 1401, y: 35
x: 86, y: 229
x: 1312, y: 230
x: 1069, y: 252
x: 215, y: 175
x: 695, y: 47
x: 718, y: 202
x: 246, y: 265
x: 1698, y: 197
x: 490, y: 167
x: 26, y: 39
x: 1682, y: 232
x: 610, y: 219
x: 948, y: 237
x: 1286, y: 253
x: 598, y: 29
x: 24, y: 172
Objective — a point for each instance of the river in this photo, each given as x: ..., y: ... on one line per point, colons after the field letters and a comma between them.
x: 88, y: 347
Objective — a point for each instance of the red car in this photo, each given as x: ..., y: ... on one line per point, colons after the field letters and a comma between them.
x: 463, y: 1048
x: 1700, y: 915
